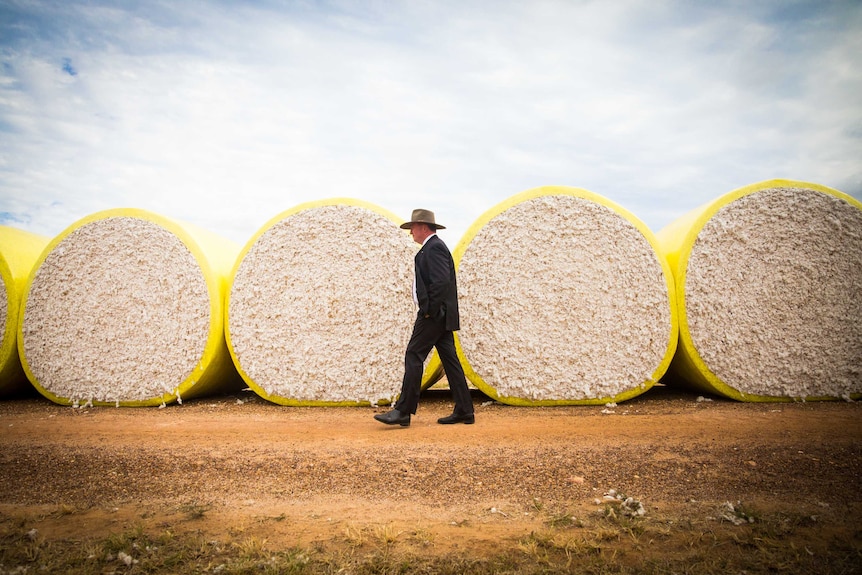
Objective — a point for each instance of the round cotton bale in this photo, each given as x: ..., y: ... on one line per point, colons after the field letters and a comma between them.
x: 769, y: 288
x: 320, y: 309
x: 125, y: 307
x: 19, y: 251
x: 563, y: 300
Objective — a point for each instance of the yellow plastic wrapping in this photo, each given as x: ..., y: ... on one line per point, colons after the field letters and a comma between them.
x: 659, y: 265
x: 676, y: 242
x: 19, y: 251
x: 214, y: 256
x: 433, y: 370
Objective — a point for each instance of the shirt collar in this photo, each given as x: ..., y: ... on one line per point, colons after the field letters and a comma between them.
x: 428, y: 238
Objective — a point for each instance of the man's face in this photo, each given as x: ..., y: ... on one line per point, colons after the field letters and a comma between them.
x: 420, y: 232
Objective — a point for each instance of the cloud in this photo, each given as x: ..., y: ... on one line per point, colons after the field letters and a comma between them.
x: 226, y: 116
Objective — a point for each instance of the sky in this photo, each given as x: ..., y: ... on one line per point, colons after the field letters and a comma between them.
x: 225, y: 114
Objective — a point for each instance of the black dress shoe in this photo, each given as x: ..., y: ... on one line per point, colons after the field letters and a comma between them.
x: 394, y: 417
x: 455, y: 418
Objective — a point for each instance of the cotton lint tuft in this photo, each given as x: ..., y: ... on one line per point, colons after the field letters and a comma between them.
x: 19, y: 251
x: 563, y: 300
x: 769, y: 284
x: 125, y: 307
x: 320, y: 310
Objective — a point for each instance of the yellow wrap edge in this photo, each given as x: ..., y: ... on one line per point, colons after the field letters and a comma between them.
x: 19, y: 251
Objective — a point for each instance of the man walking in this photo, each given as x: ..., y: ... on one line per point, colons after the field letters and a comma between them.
x: 436, y: 294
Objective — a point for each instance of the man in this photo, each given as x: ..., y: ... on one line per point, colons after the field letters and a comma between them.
x: 436, y: 295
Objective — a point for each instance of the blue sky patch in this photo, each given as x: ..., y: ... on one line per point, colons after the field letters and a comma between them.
x: 68, y: 68
x: 8, y: 218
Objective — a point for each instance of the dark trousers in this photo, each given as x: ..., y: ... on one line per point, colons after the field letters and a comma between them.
x: 427, y: 333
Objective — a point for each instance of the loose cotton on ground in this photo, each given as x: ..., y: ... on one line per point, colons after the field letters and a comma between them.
x: 320, y: 308
x: 125, y: 307
x: 769, y: 284
x: 563, y: 300
x: 19, y: 251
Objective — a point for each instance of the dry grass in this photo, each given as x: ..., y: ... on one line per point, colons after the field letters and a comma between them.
x: 598, y: 543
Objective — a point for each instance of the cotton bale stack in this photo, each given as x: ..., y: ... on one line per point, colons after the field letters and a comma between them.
x: 19, y: 251
x: 320, y: 309
x: 126, y: 307
x: 563, y: 300
x: 769, y: 288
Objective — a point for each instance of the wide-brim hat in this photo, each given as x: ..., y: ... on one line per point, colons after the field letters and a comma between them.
x: 422, y: 217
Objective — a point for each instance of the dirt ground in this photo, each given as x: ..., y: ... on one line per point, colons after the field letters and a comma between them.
x: 237, y: 466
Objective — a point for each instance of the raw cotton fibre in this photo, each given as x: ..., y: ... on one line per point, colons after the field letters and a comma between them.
x: 769, y: 284
x: 125, y: 307
x: 19, y: 251
x: 563, y: 300
x: 320, y: 310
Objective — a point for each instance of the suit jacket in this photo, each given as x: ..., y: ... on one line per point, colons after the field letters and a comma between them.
x: 436, y: 288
